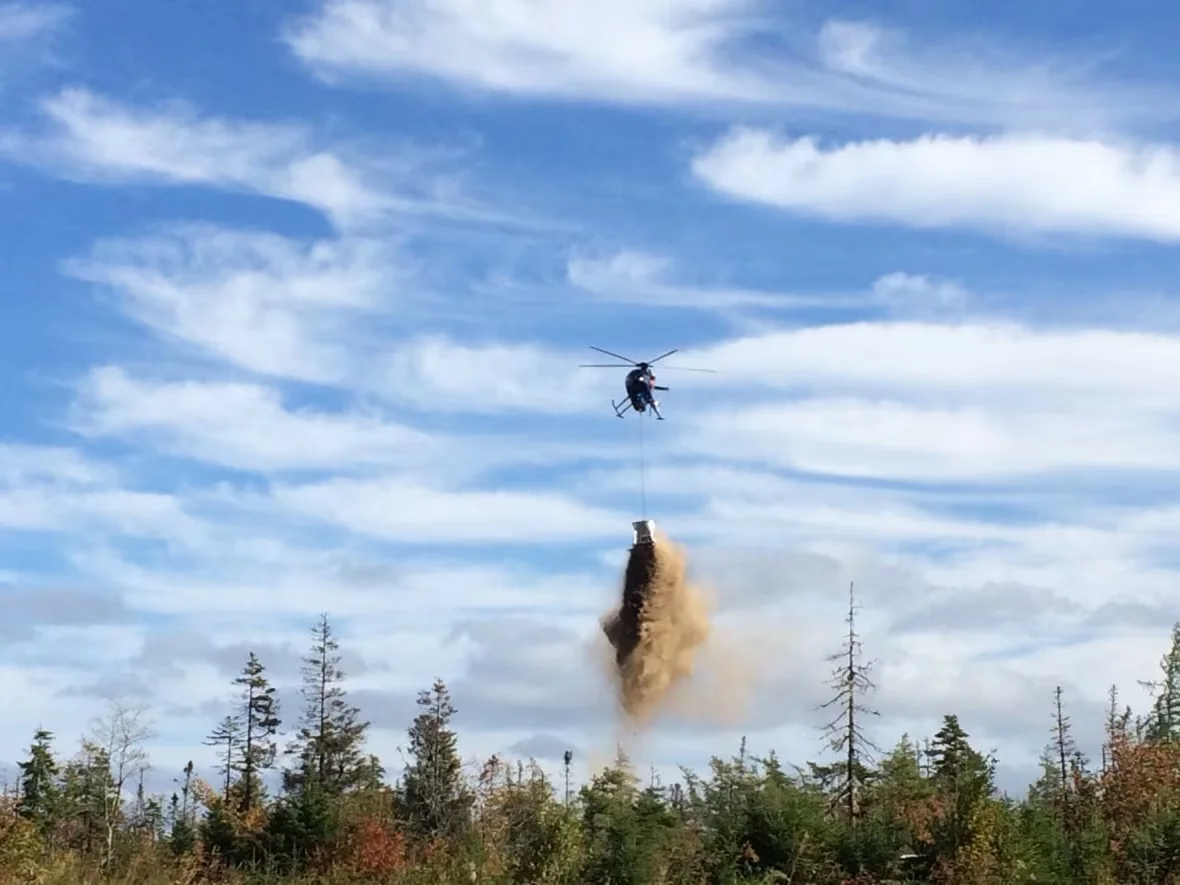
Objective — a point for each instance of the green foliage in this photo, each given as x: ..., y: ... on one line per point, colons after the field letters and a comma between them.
x: 301, y: 827
x: 1163, y: 723
x: 328, y: 747
x: 435, y: 798
x: 928, y: 816
x: 259, y: 715
x: 40, y: 796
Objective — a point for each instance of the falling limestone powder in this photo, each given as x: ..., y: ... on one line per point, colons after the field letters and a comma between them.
x: 658, y: 628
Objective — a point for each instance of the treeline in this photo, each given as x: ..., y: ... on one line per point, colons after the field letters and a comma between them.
x: 923, y: 811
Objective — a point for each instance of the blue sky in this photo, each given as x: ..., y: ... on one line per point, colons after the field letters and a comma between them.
x: 294, y: 298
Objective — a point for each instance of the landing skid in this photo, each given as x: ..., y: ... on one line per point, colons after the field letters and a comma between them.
x: 622, y: 407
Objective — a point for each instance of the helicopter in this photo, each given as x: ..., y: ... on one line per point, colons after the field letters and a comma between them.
x: 641, y: 381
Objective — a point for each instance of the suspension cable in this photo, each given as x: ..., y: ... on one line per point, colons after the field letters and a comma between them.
x: 642, y: 467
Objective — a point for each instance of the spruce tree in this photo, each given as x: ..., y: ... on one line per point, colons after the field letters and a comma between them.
x: 899, y: 780
x: 1071, y: 761
x: 227, y: 738
x: 86, y: 787
x: 1163, y: 723
x: 963, y: 779
x: 435, y: 798
x: 329, y: 746
x: 38, y: 783
x: 260, y: 717
x: 182, y: 833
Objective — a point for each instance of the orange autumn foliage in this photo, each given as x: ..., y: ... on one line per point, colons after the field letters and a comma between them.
x: 1142, y: 780
x: 374, y: 848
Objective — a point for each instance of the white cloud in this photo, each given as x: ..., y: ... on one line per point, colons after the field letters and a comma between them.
x: 26, y: 463
x: 327, y: 312
x: 999, y: 363
x: 702, y: 51
x: 241, y: 425
x: 989, y: 79
x: 249, y: 427
x: 21, y: 22
x: 57, y: 490
x: 436, y: 372
x: 403, y: 509
x: 919, y: 294
x: 94, y: 139
x: 635, y: 277
x: 115, y: 512
x: 899, y: 441
x: 260, y: 301
x: 941, y: 402
x: 27, y: 36
x: 371, y: 593
x: 621, y: 49
x: 1025, y: 183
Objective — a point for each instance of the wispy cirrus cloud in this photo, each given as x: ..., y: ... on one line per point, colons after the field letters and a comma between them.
x: 95, y: 139
x: 645, y: 279
x: 21, y: 22
x: 28, y: 32
x: 330, y: 312
x: 256, y: 300
x: 55, y: 490
x: 708, y: 51
x: 990, y: 77
x: 92, y: 138
x: 401, y: 508
x: 1014, y: 183
x: 900, y: 440
x: 635, y: 277
x: 250, y: 427
x: 644, y: 50
x: 1002, y: 362
x: 241, y: 425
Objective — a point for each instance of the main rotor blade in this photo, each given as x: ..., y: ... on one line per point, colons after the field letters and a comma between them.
x: 615, y: 355
x: 658, y: 358
x: 683, y: 369
x: 601, y: 366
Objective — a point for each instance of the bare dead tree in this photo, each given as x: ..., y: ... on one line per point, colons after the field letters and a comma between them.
x: 122, y: 732
x: 845, y: 732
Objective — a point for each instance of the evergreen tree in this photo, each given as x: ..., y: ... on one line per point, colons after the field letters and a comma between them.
x: 301, y: 825
x: 260, y: 717
x: 86, y: 786
x: 1163, y: 723
x: 38, y: 784
x: 329, y: 745
x: 226, y: 737
x: 1065, y: 751
x: 963, y: 780
x: 622, y: 826
x: 435, y: 797
x: 182, y: 833
x: 899, y: 783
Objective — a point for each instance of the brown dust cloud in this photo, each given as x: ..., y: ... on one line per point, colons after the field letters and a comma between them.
x: 659, y: 631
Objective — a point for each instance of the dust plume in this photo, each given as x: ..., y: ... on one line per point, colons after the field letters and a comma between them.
x: 657, y: 630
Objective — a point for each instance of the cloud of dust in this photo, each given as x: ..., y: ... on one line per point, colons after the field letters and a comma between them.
x: 659, y: 632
